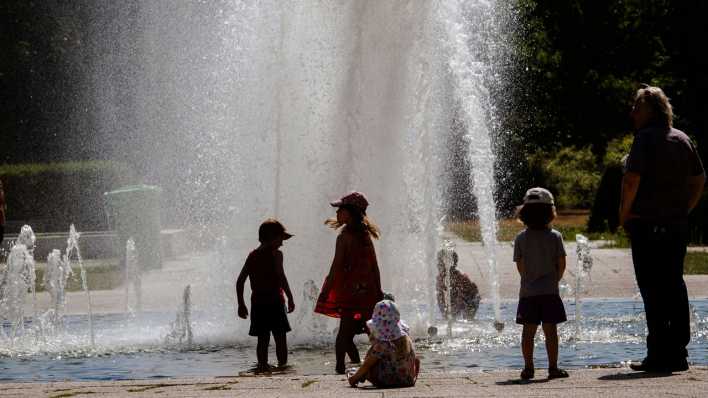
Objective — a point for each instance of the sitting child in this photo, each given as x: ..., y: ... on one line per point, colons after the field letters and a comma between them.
x: 391, y: 360
x: 465, y: 297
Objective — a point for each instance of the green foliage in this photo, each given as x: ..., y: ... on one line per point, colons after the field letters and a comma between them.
x: 571, y: 174
x: 616, y: 150
x: 53, y: 195
x: 31, y: 169
x: 696, y: 263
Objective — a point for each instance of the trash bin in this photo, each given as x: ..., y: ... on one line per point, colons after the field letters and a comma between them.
x: 134, y: 211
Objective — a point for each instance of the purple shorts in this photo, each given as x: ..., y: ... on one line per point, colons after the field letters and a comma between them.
x: 536, y: 310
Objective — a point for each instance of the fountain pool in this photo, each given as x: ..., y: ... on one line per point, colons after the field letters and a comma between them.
x: 614, y: 333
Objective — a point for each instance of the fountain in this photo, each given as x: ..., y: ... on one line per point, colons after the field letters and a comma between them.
x: 72, y: 247
x: 181, y: 328
x: 18, y: 279
x: 582, y: 272
x: 132, y: 278
x: 245, y: 110
x: 56, y: 275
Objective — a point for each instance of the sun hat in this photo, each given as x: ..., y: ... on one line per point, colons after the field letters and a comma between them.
x: 271, y: 229
x: 354, y: 199
x: 538, y: 195
x: 385, y: 324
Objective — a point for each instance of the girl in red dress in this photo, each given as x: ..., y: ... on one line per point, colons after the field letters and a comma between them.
x: 353, y: 286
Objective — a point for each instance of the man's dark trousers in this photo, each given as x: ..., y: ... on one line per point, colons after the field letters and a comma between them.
x: 658, y: 252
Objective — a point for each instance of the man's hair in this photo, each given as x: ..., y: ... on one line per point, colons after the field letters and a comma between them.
x: 536, y: 215
x: 658, y: 103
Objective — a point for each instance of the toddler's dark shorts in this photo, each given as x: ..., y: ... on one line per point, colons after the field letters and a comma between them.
x: 268, y: 318
x: 540, y: 309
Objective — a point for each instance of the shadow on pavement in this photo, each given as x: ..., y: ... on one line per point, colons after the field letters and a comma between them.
x: 514, y: 382
x: 633, y: 376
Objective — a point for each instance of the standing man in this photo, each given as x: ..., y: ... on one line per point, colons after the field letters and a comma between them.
x: 3, y: 207
x: 663, y: 183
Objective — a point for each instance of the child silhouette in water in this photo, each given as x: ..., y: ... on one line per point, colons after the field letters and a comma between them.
x: 269, y: 286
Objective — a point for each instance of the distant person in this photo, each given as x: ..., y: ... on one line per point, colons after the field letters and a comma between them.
x: 391, y: 360
x: 353, y: 285
x: 269, y: 288
x: 3, y: 209
x: 464, y: 300
x: 663, y: 183
x: 540, y: 259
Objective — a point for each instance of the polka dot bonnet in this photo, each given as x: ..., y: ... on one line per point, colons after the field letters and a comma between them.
x: 385, y: 324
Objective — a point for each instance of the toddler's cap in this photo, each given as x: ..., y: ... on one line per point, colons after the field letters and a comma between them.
x: 355, y: 199
x: 271, y: 229
x: 538, y: 195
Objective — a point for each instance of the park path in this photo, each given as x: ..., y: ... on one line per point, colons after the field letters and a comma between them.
x: 501, y: 383
x: 612, y: 275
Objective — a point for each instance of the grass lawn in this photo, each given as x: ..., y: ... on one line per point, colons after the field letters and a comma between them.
x: 696, y: 263
x: 101, y: 275
x: 569, y: 223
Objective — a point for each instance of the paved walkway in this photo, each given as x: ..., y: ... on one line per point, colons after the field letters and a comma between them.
x: 612, y: 275
x: 504, y: 383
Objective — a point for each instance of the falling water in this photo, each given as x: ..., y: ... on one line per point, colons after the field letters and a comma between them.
x: 469, y: 72
x: 28, y: 239
x: 275, y: 108
x: 56, y: 275
x: 72, y: 247
x: 18, y: 277
x: 582, y: 271
x: 132, y: 278
x: 181, y: 329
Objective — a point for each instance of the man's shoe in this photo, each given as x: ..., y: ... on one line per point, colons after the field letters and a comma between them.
x: 680, y: 365
x: 649, y: 367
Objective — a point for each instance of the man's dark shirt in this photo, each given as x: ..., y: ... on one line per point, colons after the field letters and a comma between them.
x: 664, y: 158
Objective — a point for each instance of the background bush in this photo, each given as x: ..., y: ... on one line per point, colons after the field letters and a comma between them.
x: 571, y: 174
x: 51, y: 196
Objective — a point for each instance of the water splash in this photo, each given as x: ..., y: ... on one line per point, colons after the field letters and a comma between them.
x: 469, y: 71
x: 18, y: 280
x: 56, y: 275
x: 133, y: 278
x: 181, y: 329
x: 582, y: 271
x: 72, y: 247
x: 445, y: 256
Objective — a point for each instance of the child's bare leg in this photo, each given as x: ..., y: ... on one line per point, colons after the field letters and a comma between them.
x: 281, y: 348
x: 345, y: 344
x: 262, y: 350
x: 341, y: 346
x: 527, y: 336
x: 550, y: 330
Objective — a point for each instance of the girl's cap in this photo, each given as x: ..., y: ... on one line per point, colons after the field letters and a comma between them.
x: 385, y: 323
x: 355, y: 199
x: 271, y: 229
x: 538, y: 195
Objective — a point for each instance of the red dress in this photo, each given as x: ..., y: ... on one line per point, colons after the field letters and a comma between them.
x: 353, y: 285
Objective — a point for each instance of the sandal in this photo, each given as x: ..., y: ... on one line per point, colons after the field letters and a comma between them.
x: 527, y: 374
x: 555, y: 373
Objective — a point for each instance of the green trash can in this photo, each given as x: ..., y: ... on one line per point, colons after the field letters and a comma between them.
x: 134, y: 211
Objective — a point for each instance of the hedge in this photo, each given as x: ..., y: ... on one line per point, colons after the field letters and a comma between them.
x: 53, y: 195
